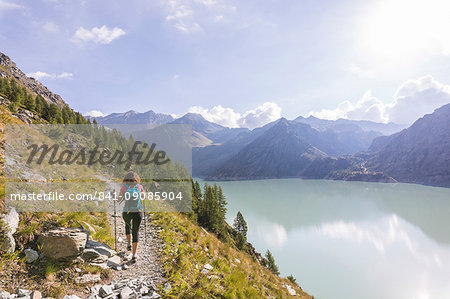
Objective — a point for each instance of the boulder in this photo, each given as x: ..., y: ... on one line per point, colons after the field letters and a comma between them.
x: 63, y: 244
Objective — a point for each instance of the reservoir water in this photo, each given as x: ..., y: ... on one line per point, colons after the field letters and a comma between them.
x: 350, y: 239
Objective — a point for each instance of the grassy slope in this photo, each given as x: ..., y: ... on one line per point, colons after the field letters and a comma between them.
x: 235, y: 275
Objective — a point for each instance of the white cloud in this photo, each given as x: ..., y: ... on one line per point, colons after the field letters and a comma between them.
x: 219, y: 115
x: 94, y: 113
x: 102, y: 35
x: 185, y: 15
x: 43, y: 75
x: 206, y: 2
x: 261, y: 115
x: 51, y: 27
x: 251, y: 119
x: 181, y: 16
x: 4, y: 5
x: 417, y: 97
x: 412, y: 100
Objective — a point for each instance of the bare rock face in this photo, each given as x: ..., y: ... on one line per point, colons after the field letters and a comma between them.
x: 25, y: 116
x: 63, y: 244
x: 31, y: 83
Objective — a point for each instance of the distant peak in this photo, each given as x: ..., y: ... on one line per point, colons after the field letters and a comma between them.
x: 192, y: 115
x: 131, y: 112
x: 283, y: 120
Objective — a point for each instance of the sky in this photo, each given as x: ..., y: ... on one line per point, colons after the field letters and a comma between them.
x: 238, y: 63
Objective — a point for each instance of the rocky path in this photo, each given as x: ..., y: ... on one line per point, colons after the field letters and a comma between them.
x: 147, y: 268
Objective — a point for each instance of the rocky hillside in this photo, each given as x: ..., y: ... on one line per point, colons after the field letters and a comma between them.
x: 8, y: 69
x: 419, y: 154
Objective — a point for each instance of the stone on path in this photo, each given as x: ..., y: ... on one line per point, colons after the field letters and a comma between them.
x: 87, y: 278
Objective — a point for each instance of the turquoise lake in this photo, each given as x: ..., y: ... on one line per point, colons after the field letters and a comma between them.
x: 350, y: 239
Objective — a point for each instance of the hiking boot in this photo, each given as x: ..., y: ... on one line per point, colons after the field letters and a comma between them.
x: 129, y: 247
x: 134, y: 259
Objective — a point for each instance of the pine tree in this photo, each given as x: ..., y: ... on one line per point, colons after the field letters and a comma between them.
x: 5, y: 89
x: 12, y: 107
x: 66, y: 114
x: 29, y: 102
x: 41, y: 104
x: 240, y: 225
x: 271, y: 263
x: 220, y: 200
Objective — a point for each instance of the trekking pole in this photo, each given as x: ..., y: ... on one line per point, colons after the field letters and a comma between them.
x: 145, y: 226
x: 115, y: 226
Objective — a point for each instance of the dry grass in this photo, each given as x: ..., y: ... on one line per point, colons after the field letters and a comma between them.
x: 235, y: 275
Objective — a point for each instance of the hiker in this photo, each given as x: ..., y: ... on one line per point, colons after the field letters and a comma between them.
x: 132, y: 211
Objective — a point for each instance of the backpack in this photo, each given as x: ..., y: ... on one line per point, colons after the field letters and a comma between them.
x: 132, y: 199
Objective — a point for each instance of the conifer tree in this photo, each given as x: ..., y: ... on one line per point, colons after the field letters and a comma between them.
x: 29, y: 102
x: 271, y: 263
x: 240, y: 227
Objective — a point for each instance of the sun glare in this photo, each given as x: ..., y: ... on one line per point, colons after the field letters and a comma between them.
x: 401, y: 29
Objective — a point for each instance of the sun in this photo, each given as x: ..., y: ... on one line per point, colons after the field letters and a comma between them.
x: 401, y: 29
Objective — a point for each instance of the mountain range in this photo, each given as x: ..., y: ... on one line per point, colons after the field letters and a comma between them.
x: 316, y: 148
